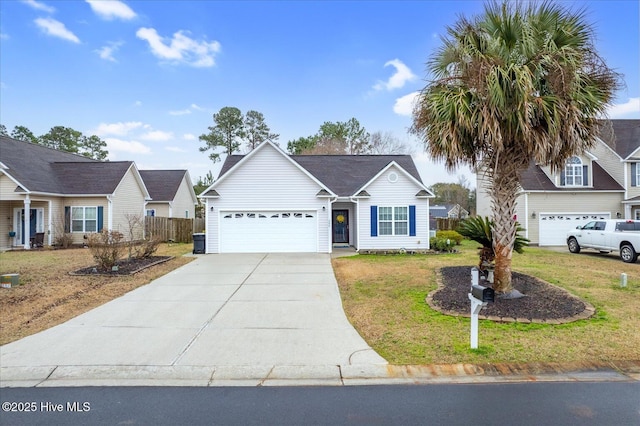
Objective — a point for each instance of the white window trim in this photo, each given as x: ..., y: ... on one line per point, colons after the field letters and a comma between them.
x: 638, y: 174
x: 636, y: 214
x: 576, y: 170
x: 84, y: 219
x: 393, y: 221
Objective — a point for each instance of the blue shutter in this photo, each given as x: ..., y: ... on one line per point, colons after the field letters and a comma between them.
x: 67, y: 219
x: 100, y: 217
x: 585, y: 175
x: 634, y: 174
x: 412, y: 221
x: 562, y: 178
x: 374, y: 221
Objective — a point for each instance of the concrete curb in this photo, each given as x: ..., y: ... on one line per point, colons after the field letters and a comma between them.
x: 316, y: 375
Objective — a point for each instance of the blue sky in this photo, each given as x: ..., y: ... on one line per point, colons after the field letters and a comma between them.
x: 146, y: 76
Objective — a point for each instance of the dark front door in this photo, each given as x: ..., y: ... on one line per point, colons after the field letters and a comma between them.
x: 340, y: 226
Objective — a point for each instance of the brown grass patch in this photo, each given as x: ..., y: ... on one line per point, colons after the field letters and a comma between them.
x: 48, y: 295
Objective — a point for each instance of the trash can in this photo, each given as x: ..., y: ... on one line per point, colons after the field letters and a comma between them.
x: 198, y: 244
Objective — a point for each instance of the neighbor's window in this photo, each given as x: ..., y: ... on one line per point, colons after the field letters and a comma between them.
x: 573, y: 172
x: 393, y: 220
x: 84, y: 219
x: 150, y: 212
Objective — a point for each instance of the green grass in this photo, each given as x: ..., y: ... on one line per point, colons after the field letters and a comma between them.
x: 384, y: 297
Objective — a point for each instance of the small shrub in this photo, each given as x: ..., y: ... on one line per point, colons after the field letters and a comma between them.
x: 450, y: 235
x: 107, y: 248
x: 441, y: 244
x: 146, y: 248
x: 63, y: 240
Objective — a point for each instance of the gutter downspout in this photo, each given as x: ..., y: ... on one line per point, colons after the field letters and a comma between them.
x: 26, y: 235
x: 526, y: 216
x: 110, y: 212
x: 357, y: 203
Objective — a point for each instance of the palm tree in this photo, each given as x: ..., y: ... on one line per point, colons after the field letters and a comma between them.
x: 520, y: 83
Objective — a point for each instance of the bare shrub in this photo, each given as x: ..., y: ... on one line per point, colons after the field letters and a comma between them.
x: 146, y: 248
x: 61, y: 238
x: 106, y: 248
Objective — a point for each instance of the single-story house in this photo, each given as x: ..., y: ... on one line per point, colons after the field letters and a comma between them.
x: 601, y: 183
x: 171, y: 193
x: 63, y: 193
x: 451, y: 211
x: 269, y: 201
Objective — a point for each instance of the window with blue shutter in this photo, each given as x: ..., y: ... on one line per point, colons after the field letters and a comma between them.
x: 374, y: 221
x: 412, y: 221
x: 585, y: 175
x: 100, y: 218
x: 634, y: 174
x: 67, y: 219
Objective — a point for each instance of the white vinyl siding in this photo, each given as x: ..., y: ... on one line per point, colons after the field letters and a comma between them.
x: 267, y: 181
x: 128, y: 202
x: 401, y: 193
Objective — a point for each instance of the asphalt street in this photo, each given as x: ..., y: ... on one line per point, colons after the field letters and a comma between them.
x: 522, y: 404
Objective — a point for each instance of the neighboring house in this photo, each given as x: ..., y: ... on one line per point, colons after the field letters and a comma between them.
x: 451, y: 211
x: 601, y: 183
x: 268, y: 201
x: 171, y: 193
x: 50, y: 192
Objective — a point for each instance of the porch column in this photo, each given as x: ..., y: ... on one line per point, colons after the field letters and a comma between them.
x: 50, y: 223
x: 628, y: 214
x: 26, y: 235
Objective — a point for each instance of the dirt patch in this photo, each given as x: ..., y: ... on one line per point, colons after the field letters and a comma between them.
x: 542, y: 302
x: 124, y: 267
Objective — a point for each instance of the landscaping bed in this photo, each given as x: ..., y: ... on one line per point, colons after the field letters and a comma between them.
x: 124, y: 267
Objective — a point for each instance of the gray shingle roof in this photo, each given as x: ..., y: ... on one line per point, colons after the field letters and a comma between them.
x: 627, y: 136
x: 534, y: 179
x: 46, y: 170
x: 343, y: 174
x: 162, y: 184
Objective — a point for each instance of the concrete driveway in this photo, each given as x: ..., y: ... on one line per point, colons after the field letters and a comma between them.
x: 237, y: 316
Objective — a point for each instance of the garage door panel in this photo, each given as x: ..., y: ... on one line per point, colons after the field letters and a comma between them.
x: 554, y: 226
x: 268, y: 232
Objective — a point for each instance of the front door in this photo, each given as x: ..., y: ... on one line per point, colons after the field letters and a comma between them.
x: 340, y: 225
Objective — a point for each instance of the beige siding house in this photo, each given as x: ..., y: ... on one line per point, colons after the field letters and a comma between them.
x: 45, y: 193
x: 171, y: 193
x: 599, y: 184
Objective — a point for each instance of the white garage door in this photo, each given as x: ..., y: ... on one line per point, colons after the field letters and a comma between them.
x: 268, y: 232
x: 554, y: 226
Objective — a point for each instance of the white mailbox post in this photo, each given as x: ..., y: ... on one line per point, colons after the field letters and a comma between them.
x: 479, y: 297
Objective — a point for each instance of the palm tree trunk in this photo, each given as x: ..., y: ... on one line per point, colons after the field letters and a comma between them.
x: 503, y: 193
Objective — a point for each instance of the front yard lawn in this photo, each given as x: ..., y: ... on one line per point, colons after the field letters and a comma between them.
x: 48, y: 295
x: 384, y: 298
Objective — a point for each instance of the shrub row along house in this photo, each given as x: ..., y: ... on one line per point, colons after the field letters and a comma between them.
x: 45, y: 194
x: 269, y: 201
x: 601, y: 183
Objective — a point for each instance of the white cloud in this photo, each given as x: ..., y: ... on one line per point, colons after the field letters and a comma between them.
x: 189, y: 137
x: 402, y: 75
x: 117, y: 129
x: 197, y: 108
x: 181, y: 48
x: 4, y: 36
x: 629, y: 109
x: 180, y: 112
x: 157, y: 135
x: 404, y: 105
x: 137, y: 103
x: 113, y: 9
x: 106, y: 52
x: 175, y: 149
x: 131, y: 147
x: 56, y: 29
x: 39, y: 6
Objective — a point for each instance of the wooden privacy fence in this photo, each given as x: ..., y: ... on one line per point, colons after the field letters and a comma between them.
x: 172, y: 228
x: 447, y: 224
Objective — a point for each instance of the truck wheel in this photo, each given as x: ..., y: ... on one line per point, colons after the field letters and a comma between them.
x: 627, y: 253
x: 574, y: 247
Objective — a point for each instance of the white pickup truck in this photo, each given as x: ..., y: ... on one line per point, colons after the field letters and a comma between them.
x: 607, y: 236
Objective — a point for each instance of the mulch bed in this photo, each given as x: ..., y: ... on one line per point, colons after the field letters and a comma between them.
x: 125, y: 267
x: 543, y: 302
